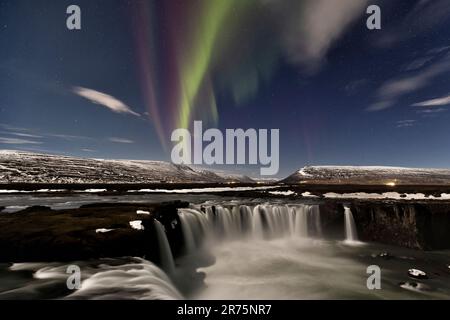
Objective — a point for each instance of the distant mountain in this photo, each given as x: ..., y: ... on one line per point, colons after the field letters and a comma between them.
x: 369, y: 175
x: 27, y: 167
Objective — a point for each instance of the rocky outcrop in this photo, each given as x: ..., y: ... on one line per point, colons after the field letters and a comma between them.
x: 103, y: 230
x: 19, y: 167
x: 420, y: 225
x: 372, y: 175
x: 91, y: 231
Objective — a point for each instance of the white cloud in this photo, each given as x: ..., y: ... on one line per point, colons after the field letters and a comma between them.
x: 398, y: 87
x: 20, y: 134
x: 434, y: 102
x: 423, y: 18
x: 120, y: 140
x: 406, y: 123
x: 68, y: 137
x: 394, y: 89
x: 418, y: 63
x: 105, y: 100
x: 428, y: 111
x: 26, y: 135
x: 4, y: 140
x: 380, y: 105
x: 309, y: 28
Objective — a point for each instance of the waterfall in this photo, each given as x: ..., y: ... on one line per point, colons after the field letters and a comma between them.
x: 263, y: 221
x: 165, y: 253
x: 301, y: 221
x: 195, y: 227
x: 257, y: 224
x: 350, y: 228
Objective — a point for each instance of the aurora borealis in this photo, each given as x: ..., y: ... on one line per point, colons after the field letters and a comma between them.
x: 198, y: 39
x: 138, y: 69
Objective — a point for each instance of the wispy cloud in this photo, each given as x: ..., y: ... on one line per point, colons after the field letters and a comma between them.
x: 355, y: 86
x: 31, y: 133
x: 406, y: 123
x: 21, y: 134
x: 4, y: 140
x: 9, y: 127
x: 120, y: 140
x: 423, y: 18
x: 428, y: 111
x: 105, y: 100
x: 309, y: 28
x: 443, y: 101
x: 418, y: 63
x: 392, y: 90
x: 68, y: 137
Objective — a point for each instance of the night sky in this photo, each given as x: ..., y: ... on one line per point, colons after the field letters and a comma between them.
x: 339, y: 93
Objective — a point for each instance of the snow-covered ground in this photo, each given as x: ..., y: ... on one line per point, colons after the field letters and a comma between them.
x: 204, y: 190
x: 389, y: 176
x: 27, y: 167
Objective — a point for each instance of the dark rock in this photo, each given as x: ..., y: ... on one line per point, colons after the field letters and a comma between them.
x: 332, y: 219
x: 43, y: 234
x: 414, y: 225
x: 167, y: 214
x: 385, y: 255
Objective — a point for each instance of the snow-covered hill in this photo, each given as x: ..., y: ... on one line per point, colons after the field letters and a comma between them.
x: 27, y: 167
x: 369, y: 175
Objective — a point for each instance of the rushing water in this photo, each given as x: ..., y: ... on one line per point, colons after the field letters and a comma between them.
x: 127, y: 278
x: 257, y: 222
x: 165, y: 253
x: 350, y: 228
x: 261, y: 251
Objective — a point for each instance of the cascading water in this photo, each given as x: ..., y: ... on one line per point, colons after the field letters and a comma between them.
x: 195, y: 228
x: 165, y: 253
x: 259, y: 222
x: 350, y: 228
x: 301, y: 221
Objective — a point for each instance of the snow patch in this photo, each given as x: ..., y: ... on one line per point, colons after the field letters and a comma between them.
x: 137, y: 224
x: 203, y: 190
x: 12, y: 209
x: 282, y: 193
x: 386, y: 195
x: 103, y: 230
x: 9, y: 191
x: 95, y: 190
x: 308, y: 194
